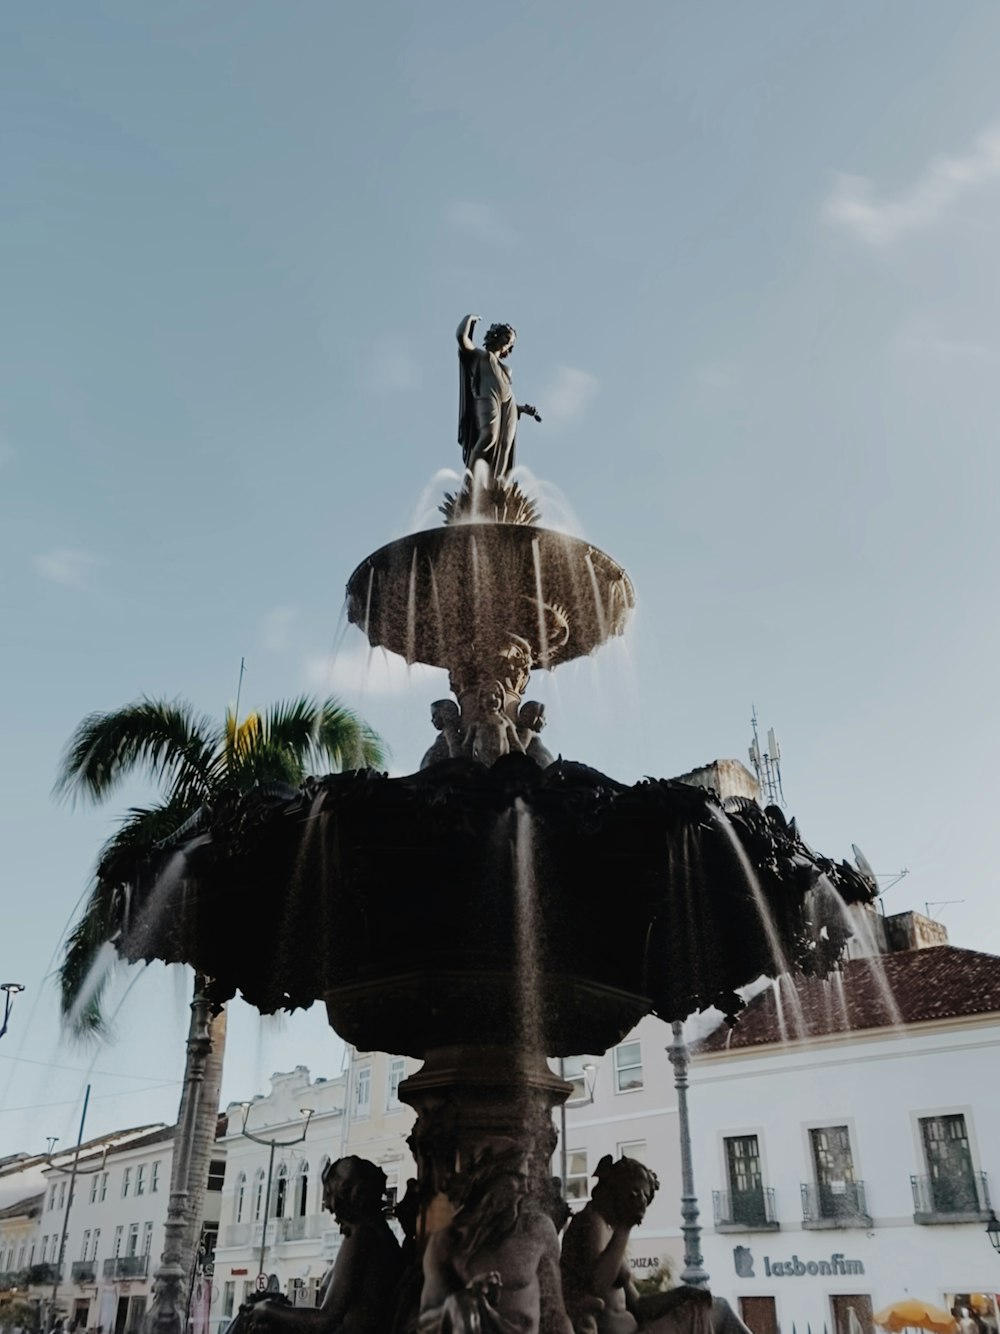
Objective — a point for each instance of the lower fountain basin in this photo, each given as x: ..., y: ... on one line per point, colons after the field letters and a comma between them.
x: 431, y: 595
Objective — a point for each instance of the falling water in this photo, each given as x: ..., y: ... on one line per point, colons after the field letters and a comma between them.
x: 97, y: 975
x: 778, y: 1008
x: 859, y: 925
x: 528, y: 933
x: 599, y: 611
x: 558, y: 512
x: 543, y: 634
x: 411, y: 611
x: 425, y: 512
x: 766, y: 920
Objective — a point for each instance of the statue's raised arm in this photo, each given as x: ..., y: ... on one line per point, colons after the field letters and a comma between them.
x: 487, y: 413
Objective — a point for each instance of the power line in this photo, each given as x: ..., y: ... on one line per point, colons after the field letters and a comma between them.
x: 71, y: 1102
x: 79, y: 1069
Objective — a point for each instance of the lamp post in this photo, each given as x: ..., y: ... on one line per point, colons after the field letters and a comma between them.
x: 272, y: 1144
x: 10, y: 990
x: 72, y: 1172
x: 993, y: 1231
x: 694, y: 1270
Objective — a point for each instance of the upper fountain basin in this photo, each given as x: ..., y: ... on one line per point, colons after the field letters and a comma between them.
x: 434, y: 595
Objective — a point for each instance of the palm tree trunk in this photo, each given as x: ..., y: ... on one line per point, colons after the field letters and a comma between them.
x: 197, y: 1118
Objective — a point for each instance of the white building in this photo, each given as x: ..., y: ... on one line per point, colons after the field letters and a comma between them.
x: 849, y: 1166
x: 287, y: 1234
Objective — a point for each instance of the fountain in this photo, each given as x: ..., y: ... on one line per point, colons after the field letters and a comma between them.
x: 495, y: 908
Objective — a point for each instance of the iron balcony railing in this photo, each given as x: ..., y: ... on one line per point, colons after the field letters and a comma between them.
x: 745, y: 1208
x: 44, y: 1273
x: 13, y: 1278
x: 960, y: 1194
x: 83, y: 1271
x: 299, y: 1229
x: 834, y: 1202
x: 126, y: 1266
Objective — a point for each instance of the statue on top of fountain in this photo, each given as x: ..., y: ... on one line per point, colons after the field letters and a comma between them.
x: 487, y: 412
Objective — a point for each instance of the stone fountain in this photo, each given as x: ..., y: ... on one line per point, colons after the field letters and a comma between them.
x: 495, y: 908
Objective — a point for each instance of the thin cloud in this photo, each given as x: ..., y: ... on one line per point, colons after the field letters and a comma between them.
x: 66, y: 567
x: 567, y: 396
x: 359, y: 671
x: 392, y: 368
x: 479, y: 221
x: 276, y: 627
x: 854, y: 207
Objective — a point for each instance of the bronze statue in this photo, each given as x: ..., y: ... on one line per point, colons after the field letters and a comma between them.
x: 490, y: 732
x: 530, y: 721
x: 359, y: 1293
x: 495, y: 1268
x: 447, y: 719
x: 487, y: 413
x: 600, y: 1295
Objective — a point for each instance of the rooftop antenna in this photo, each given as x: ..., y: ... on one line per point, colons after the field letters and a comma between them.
x: 939, y: 903
x: 766, y: 764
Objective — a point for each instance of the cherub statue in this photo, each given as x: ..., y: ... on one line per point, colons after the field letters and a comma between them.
x: 493, y: 732
x: 530, y: 721
x: 359, y: 1293
x: 495, y: 1268
x: 487, y: 414
x: 446, y: 718
x: 600, y: 1295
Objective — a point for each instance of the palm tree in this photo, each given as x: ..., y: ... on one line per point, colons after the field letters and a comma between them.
x: 197, y: 765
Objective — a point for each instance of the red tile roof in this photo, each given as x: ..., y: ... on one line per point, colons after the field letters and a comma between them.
x: 911, y: 987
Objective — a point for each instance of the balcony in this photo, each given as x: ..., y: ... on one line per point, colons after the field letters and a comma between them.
x: 126, y: 1266
x: 44, y: 1273
x: 959, y: 1198
x: 834, y: 1204
x: 84, y: 1271
x: 745, y: 1210
x: 13, y: 1278
x: 240, y: 1234
x: 299, y: 1229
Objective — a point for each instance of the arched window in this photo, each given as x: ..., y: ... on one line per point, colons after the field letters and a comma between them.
x: 278, y: 1204
x: 300, y: 1203
x: 258, y: 1194
x: 241, y: 1195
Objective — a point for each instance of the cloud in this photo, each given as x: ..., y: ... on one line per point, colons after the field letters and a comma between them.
x: 66, y: 567
x: 567, y: 395
x: 392, y: 369
x: 921, y: 339
x: 480, y: 222
x: 358, y: 670
x: 853, y: 205
x: 275, y: 628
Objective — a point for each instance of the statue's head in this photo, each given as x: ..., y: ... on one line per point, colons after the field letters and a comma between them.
x: 500, y: 339
x: 624, y: 1190
x: 531, y: 714
x: 491, y: 698
x: 444, y: 714
x: 354, y: 1189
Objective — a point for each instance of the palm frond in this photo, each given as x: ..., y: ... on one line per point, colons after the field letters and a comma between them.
x: 168, y: 740
x: 326, y: 734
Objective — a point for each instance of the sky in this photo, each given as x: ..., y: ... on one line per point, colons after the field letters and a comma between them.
x: 750, y: 251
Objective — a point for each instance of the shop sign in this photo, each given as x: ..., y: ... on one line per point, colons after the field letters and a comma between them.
x: 644, y: 1262
x: 837, y: 1264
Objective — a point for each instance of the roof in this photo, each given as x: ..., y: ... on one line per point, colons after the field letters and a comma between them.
x: 911, y: 987
x: 157, y: 1135
x: 26, y: 1208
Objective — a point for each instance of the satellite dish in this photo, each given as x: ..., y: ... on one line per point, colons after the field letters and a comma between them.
x: 865, y: 867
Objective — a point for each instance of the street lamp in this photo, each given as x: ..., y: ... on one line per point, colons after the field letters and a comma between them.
x: 10, y: 990
x: 693, y: 1272
x: 993, y: 1231
x: 272, y: 1144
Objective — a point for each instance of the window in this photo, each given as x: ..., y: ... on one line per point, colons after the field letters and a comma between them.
x: 280, y: 1192
x: 94, y: 1180
x: 363, y: 1092
x: 633, y: 1148
x: 324, y: 1163
x: 86, y: 1244
x: 258, y: 1194
x: 851, y: 1312
x: 301, y: 1202
x: 581, y: 1073
x: 147, y: 1238
x: 397, y: 1073
x: 951, y: 1179
x: 96, y: 1241
x: 837, y: 1194
x: 119, y: 1232
x: 628, y: 1067
x: 52, y: 1195
x: 763, y: 1313
x: 132, y: 1247
x: 228, y: 1297
x: 45, y: 1250
x: 247, y: 1289
x: 746, y: 1184
x: 140, y: 1179
x: 104, y: 1186
x: 241, y: 1192
x: 216, y: 1174
x: 126, y: 1182
x: 31, y: 1255
x: 154, y: 1180
x: 391, y: 1189
x: 62, y: 1193
x: 577, y: 1176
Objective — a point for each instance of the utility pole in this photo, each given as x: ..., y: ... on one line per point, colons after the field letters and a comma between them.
x: 73, y: 1173
x: 272, y: 1144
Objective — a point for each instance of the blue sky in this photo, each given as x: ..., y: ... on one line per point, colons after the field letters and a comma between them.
x: 751, y: 254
